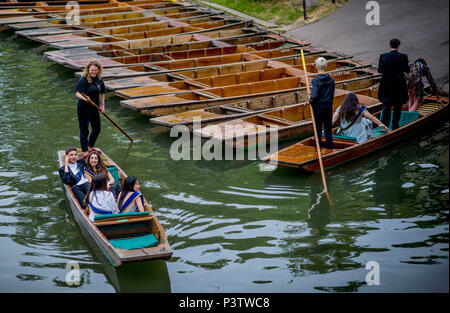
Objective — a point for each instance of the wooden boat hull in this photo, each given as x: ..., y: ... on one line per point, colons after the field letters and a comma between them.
x: 116, y: 256
x: 290, y: 156
x: 259, y: 92
x: 339, y: 69
x: 70, y: 57
x: 288, y: 122
x: 279, y: 58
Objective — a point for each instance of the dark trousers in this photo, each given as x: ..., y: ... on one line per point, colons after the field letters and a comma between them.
x: 115, y: 189
x: 80, y: 192
x: 323, y: 114
x: 395, y: 116
x: 88, y: 115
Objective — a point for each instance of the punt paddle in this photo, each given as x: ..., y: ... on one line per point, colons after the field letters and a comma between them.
x: 107, y: 116
x: 316, y: 136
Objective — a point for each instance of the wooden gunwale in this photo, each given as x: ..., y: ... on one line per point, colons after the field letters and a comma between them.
x: 117, y: 256
x: 335, y: 157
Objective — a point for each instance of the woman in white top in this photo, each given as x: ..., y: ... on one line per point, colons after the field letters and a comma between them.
x: 355, y: 120
x: 100, y: 200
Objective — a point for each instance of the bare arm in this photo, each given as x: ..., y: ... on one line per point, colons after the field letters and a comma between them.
x: 375, y: 120
x: 335, y: 118
x: 80, y: 96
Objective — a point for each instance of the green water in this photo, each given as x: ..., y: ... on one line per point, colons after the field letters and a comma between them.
x: 233, y: 227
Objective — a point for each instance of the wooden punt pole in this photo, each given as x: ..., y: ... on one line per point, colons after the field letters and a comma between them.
x: 316, y: 136
x: 107, y: 116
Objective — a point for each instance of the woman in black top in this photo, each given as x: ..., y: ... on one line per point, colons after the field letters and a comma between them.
x: 92, y: 85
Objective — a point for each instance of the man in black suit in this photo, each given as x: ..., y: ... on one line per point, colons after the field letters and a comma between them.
x: 72, y: 174
x: 393, y: 90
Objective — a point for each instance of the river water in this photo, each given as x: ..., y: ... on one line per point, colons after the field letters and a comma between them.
x: 233, y: 227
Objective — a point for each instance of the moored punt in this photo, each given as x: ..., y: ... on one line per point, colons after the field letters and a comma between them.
x: 124, y: 43
x: 124, y: 238
x: 106, y: 21
x: 122, y: 83
x: 291, y: 89
x: 287, y: 122
x: 77, y: 57
x: 149, y: 30
x: 303, y: 154
x: 283, y: 91
x: 280, y: 58
x: 240, y: 109
x: 84, y: 9
x: 226, y: 80
x: 26, y: 17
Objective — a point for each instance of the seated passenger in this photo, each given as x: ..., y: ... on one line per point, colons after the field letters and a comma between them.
x: 355, y: 120
x: 130, y: 199
x: 72, y: 174
x: 100, y: 200
x: 94, y: 165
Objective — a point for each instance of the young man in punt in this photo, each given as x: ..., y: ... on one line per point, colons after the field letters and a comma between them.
x: 72, y: 174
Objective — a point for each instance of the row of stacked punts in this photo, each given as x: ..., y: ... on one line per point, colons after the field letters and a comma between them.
x: 179, y: 63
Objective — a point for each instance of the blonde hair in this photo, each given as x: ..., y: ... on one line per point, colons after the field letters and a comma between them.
x: 86, y: 70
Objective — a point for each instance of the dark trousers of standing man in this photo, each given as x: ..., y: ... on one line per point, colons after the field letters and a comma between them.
x: 323, y: 114
x: 395, y: 116
x: 88, y: 115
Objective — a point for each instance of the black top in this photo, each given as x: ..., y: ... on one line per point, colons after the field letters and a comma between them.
x: 69, y: 178
x: 322, y: 90
x: 92, y: 90
x: 393, y: 87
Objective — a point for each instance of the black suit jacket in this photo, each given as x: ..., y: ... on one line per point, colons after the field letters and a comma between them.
x: 393, y: 65
x: 69, y: 178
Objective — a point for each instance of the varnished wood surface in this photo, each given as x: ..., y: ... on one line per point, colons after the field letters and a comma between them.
x: 301, y: 154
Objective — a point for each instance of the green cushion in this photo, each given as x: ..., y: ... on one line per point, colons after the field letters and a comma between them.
x: 406, y: 117
x: 124, y: 215
x: 135, y: 243
x: 115, y: 174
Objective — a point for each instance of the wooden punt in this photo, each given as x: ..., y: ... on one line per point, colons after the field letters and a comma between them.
x: 84, y: 9
x: 290, y: 88
x: 288, y: 122
x: 176, y: 38
x: 139, y: 81
x: 26, y: 17
x: 107, y: 231
x: 56, y: 27
x: 284, y: 57
x: 137, y: 59
x: 71, y: 57
x: 240, y: 109
x: 303, y: 154
x: 223, y: 80
x: 138, y: 31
